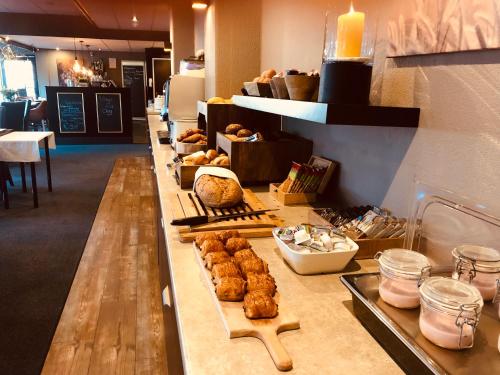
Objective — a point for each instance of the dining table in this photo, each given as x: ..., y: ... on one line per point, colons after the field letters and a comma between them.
x: 24, y: 147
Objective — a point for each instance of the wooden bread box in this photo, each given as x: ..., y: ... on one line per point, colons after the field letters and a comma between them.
x: 184, y: 174
x: 264, y: 161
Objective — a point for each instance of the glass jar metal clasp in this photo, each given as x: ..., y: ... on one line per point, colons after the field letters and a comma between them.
x: 496, y: 298
x: 464, y: 318
x: 424, y: 274
x: 465, y: 265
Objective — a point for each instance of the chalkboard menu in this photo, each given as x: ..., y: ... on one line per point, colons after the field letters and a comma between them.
x: 133, y: 77
x: 71, y: 112
x: 109, y: 112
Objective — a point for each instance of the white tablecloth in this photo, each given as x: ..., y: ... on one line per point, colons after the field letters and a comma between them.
x: 24, y: 146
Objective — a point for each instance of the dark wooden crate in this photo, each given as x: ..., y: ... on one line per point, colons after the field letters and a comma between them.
x: 215, y: 117
x: 265, y: 161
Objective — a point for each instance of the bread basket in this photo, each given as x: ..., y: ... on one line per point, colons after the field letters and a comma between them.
x: 301, y: 87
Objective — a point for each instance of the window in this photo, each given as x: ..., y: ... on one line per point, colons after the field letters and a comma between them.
x: 19, y: 75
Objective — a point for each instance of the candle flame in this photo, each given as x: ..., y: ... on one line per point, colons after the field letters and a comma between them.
x: 352, y: 8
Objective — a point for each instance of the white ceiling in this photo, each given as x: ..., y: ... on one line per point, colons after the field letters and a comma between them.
x: 49, y: 42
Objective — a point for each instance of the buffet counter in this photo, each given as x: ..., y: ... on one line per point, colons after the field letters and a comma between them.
x: 330, y: 338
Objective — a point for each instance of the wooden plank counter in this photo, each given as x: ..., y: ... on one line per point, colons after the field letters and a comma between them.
x: 330, y: 340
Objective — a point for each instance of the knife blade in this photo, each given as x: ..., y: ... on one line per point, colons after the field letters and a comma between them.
x: 205, y: 219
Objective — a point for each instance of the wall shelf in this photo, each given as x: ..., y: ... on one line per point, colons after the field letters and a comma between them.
x: 333, y: 114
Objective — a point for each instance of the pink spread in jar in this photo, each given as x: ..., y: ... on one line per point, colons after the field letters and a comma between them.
x: 450, y: 311
x: 400, y: 272
x: 479, y: 266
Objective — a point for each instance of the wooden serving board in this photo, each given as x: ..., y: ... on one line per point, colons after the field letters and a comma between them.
x: 187, y: 204
x: 266, y: 330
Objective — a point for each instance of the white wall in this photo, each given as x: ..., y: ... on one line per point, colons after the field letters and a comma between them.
x: 457, y: 145
x: 232, y: 40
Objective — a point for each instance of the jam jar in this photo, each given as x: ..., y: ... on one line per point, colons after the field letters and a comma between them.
x: 449, y: 312
x: 400, y: 273
x: 479, y: 266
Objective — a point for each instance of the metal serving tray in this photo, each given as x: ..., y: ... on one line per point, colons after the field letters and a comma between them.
x: 398, y: 333
x: 439, y: 221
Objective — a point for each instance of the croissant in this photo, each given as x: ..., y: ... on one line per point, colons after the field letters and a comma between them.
x: 261, y: 282
x: 227, y: 234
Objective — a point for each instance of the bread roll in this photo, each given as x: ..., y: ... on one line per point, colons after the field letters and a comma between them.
x: 233, y: 128
x: 218, y: 192
x: 224, y: 162
x: 200, y: 160
x: 215, y: 100
x: 270, y: 73
x: 192, y: 138
x: 211, y: 154
x: 244, y: 133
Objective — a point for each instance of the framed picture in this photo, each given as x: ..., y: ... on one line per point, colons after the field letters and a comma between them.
x: 441, y: 26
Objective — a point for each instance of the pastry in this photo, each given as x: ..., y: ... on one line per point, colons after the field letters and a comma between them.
x: 211, y: 154
x: 211, y: 246
x: 253, y: 265
x: 227, y: 234
x: 259, y: 305
x: 226, y: 269
x: 218, y: 192
x: 224, y: 161
x: 235, y: 244
x: 200, y: 238
x: 233, y: 128
x: 242, y: 255
x: 243, y: 133
x: 263, y: 282
x: 230, y: 289
x: 216, y: 258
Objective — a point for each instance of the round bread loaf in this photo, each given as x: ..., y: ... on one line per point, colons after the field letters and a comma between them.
x: 218, y: 192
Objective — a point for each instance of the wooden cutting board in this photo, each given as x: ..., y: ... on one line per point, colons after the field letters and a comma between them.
x: 187, y: 204
x: 238, y: 325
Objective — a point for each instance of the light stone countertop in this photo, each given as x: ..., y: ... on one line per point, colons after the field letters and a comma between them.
x: 330, y: 339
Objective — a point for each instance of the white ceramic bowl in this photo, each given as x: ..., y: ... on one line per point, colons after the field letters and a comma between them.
x: 316, y: 262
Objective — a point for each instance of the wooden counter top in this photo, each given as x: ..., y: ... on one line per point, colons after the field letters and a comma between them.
x: 330, y: 340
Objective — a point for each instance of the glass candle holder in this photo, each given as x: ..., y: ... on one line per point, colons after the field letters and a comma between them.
x: 349, y: 46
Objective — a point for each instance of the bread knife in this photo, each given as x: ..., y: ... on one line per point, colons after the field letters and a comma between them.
x: 205, y: 219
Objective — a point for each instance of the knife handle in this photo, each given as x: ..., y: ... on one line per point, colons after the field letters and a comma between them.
x: 193, y: 220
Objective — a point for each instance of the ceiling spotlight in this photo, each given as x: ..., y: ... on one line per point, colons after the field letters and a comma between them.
x: 135, y: 21
x: 199, y: 4
x: 167, y: 49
